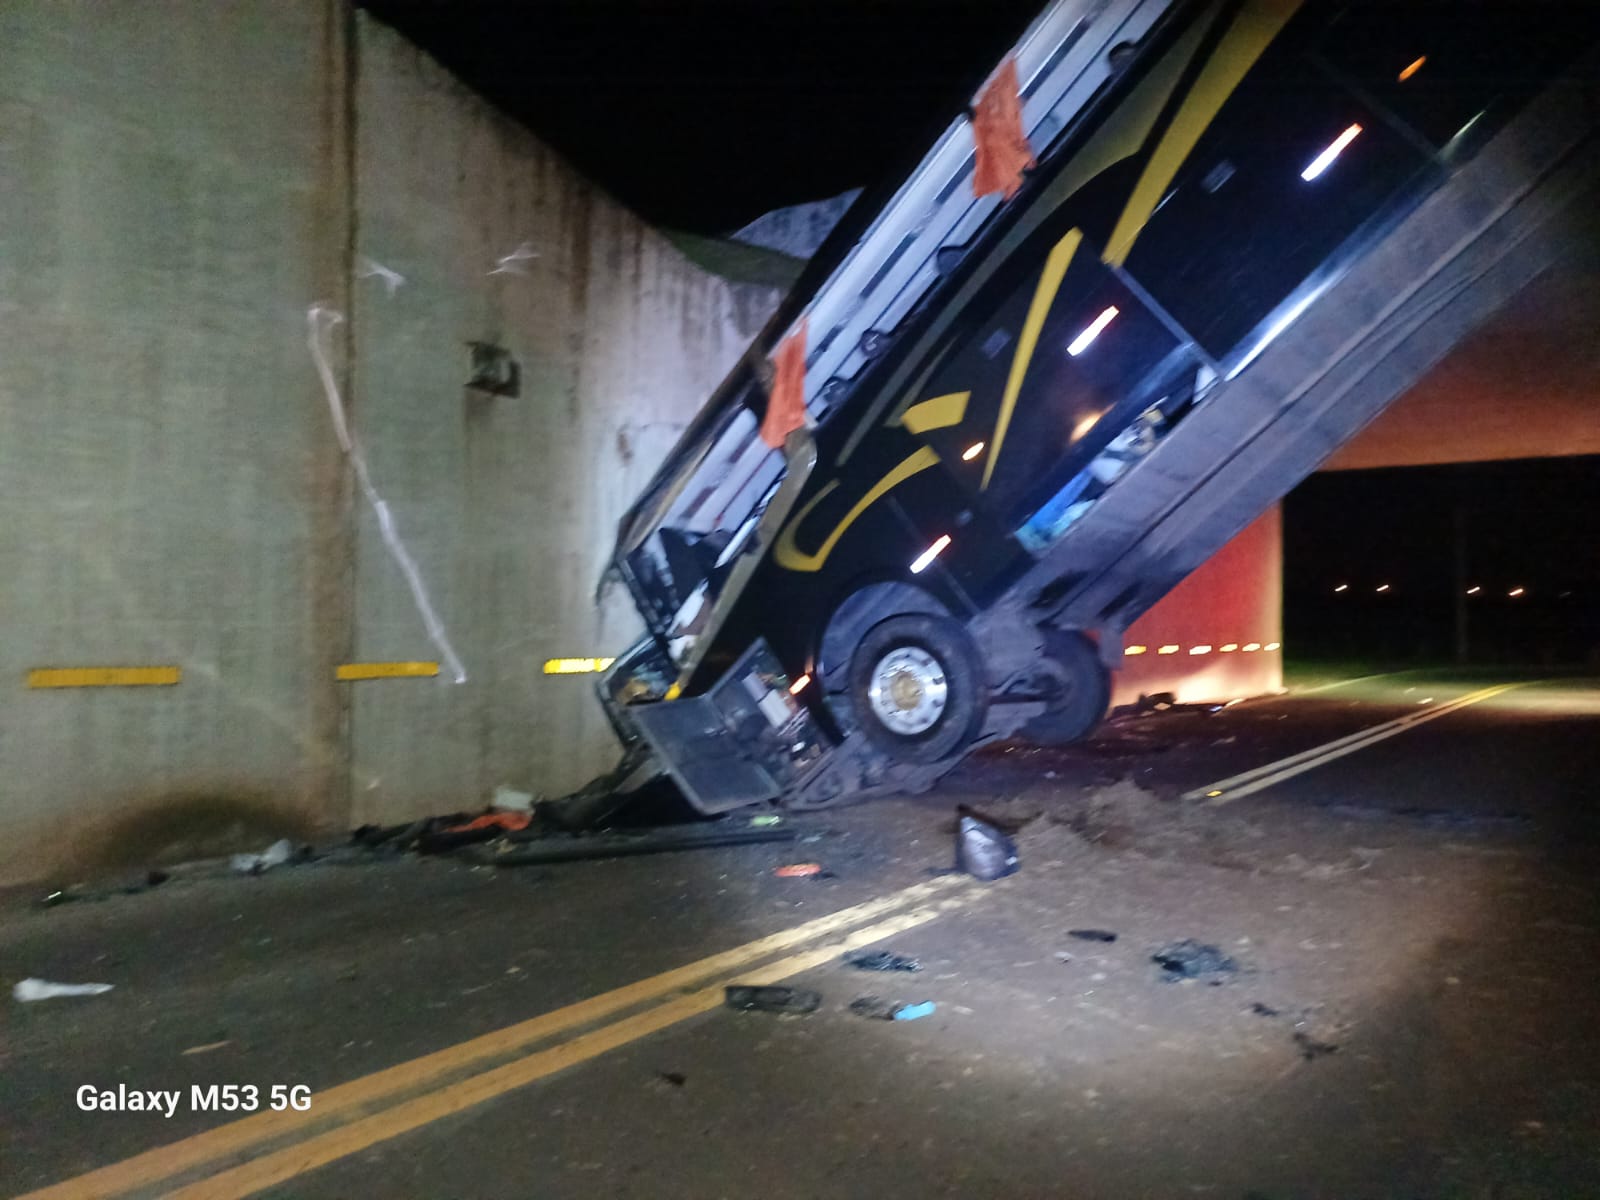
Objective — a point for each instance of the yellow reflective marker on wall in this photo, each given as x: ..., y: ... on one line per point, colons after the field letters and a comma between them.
x: 76, y: 677
x: 387, y: 670
x: 576, y: 666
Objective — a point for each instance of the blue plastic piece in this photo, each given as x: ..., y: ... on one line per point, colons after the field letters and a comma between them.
x: 911, y: 1012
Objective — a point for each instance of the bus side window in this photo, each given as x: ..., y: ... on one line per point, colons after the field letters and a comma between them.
x: 1449, y: 76
x: 1291, y: 166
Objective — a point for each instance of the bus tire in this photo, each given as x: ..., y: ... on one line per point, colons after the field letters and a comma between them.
x: 1082, y: 688
x: 918, y: 688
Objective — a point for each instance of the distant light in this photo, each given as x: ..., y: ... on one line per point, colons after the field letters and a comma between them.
x: 1136, y: 649
x: 931, y: 553
x: 1229, y: 648
x: 1235, y: 700
x: 972, y: 452
x: 1273, y: 646
x: 1085, y: 424
x: 1167, y: 650
x: 576, y: 666
x: 1323, y: 161
x: 1096, y: 327
x: 1516, y: 591
x: 1474, y: 590
x: 1426, y: 700
x: 1413, y: 68
x: 1383, y: 587
x: 1251, y: 646
x: 1199, y: 649
x: 1214, y: 792
x: 1343, y: 587
x: 799, y: 685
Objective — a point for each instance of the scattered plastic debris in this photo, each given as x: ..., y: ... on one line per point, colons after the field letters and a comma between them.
x: 209, y: 1047
x: 274, y: 855
x: 43, y: 989
x: 509, y: 799
x: 1311, y: 1049
x: 983, y: 852
x: 882, y: 960
x: 798, y: 871
x: 1092, y: 935
x: 1189, y: 959
x: 752, y: 998
x: 877, y: 1009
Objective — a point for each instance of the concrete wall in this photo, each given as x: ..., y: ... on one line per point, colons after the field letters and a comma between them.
x: 170, y: 192
x: 1233, y: 599
x: 510, y: 503
x: 178, y: 183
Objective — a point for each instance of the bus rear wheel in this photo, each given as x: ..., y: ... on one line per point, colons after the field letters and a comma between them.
x: 918, y: 689
x: 1079, y: 688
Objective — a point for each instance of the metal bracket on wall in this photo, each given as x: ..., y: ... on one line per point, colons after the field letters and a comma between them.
x: 494, y: 370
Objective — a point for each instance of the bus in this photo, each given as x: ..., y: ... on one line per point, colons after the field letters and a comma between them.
x: 1247, y: 227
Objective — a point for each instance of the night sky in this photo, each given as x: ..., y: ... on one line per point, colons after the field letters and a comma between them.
x: 703, y: 114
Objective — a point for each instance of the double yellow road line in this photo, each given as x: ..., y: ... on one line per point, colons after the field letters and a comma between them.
x: 1247, y: 783
x: 261, y: 1151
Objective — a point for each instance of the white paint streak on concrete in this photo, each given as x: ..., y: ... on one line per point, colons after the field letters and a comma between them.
x: 320, y: 318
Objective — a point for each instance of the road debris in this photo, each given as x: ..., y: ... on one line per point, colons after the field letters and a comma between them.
x: 275, y: 855
x: 798, y: 871
x: 878, y: 1009
x: 983, y: 852
x: 1312, y: 1049
x: 43, y: 989
x: 1190, y: 959
x: 509, y: 799
x: 1092, y: 935
x: 882, y: 960
x: 1263, y: 1010
x: 209, y: 1047
x: 755, y: 998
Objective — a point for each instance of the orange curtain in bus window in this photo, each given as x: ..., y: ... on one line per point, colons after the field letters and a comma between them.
x: 1002, y: 147
x: 786, y: 404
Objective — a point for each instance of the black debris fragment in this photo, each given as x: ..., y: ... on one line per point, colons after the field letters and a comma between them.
x: 877, y: 1009
x: 882, y: 960
x: 1263, y: 1010
x: 1310, y: 1048
x: 1190, y: 959
x: 676, y: 1078
x: 751, y: 998
x: 874, y: 1007
x: 1092, y: 935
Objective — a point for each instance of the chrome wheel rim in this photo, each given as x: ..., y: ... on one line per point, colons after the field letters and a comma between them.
x: 908, y: 692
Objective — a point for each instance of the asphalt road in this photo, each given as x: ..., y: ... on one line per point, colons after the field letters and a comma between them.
x: 1414, y: 931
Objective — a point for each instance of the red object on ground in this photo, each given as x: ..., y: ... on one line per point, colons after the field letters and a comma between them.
x: 508, y: 821
x: 786, y: 406
x: 798, y: 871
x: 1003, y: 152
